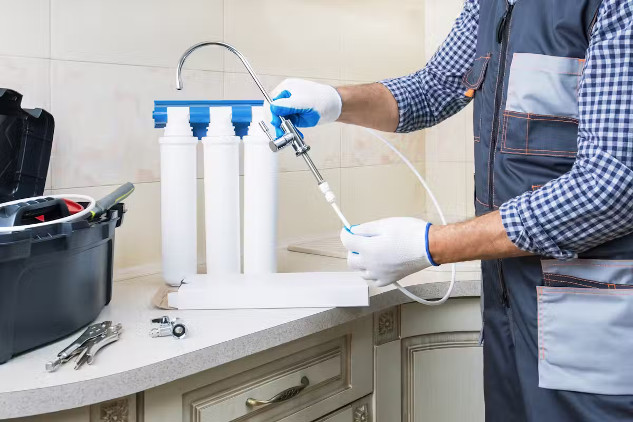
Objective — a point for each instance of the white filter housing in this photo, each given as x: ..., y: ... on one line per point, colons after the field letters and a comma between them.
x: 222, y: 194
x: 260, y: 200
x: 178, y: 197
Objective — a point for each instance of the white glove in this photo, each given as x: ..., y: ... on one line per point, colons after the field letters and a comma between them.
x: 388, y: 250
x: 305, y: 103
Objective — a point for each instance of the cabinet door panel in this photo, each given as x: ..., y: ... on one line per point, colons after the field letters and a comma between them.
x: 449, y: 385
x: 442, y: 364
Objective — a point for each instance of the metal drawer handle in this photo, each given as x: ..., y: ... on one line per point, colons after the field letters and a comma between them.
x: 283, y: 396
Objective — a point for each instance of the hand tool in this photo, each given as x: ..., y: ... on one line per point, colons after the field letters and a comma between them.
x: 84, y: 348
x: 110, y: 200
x: 93, y: 346
x: 77, y: 346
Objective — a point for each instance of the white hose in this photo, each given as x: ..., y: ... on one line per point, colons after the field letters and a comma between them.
x: 441, y: 214
x: 81, y: 214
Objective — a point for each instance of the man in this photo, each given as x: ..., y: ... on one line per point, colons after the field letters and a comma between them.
x: 552, y: 82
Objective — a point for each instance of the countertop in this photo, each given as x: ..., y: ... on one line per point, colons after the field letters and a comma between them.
x: 137, y: 362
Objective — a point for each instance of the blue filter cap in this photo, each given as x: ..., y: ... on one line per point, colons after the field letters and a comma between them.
x: 199, y: 115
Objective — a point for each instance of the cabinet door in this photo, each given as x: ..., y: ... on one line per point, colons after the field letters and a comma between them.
x: 336, y: 366
x: 441, y: 363
x: 442, y: 378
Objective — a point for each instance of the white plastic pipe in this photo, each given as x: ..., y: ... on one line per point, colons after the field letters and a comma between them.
x: 222, y: 194
x: 178, y: 197
x: 408, y: 163
x: 260, y: 200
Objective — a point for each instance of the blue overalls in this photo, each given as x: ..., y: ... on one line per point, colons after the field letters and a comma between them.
x: 558, y: 335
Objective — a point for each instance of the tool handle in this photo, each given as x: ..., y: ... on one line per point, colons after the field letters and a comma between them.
x: 110, y: 200
x: 25, y: 212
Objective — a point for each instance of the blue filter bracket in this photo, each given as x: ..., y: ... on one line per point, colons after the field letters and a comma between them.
x: 199, y: 115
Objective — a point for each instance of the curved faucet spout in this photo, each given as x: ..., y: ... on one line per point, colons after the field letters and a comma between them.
x: 291, y: 135
x: 232, y: 50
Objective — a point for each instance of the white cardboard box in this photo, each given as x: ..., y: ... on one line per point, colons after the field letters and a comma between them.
x: 266, y: 291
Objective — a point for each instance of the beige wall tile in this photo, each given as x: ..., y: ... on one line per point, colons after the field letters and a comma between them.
x: 470, y: 189
x: 381, y: 40
x: 302, y: 208
x: 28, y: 76
x: 105, y: 132
x: 434, y: 217
x: 240, y: 86
x: 31, y: 78
x: 373, y: 192
x: 25, y: 29
x: 360, y: 148
x: 285, y: 37
x: 439, y: 17
x: 447, y: 180
x: 143, y: 32
x: 446, y: 142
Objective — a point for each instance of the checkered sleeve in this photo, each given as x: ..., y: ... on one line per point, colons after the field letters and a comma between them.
x: 436, y: 92
x: 593, y: 203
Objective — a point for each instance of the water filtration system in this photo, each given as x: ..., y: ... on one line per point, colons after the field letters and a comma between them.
x: 223, y: 128
x: 185, y: 123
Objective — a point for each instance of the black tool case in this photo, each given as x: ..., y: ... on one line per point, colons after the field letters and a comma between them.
x: 26, y: 139
x: 54, y: 280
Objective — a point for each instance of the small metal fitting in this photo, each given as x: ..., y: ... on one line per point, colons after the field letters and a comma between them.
x: 168, y: 327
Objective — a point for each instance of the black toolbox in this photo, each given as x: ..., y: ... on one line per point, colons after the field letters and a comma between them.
x: 54, y: 280
x: 26, y: 139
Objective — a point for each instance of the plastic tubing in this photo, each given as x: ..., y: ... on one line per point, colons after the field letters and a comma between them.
x: 400, y: 287
x: 81, y: 214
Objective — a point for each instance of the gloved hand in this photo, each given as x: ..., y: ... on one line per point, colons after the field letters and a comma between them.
x: 388, y: 250
x: 305, y: 103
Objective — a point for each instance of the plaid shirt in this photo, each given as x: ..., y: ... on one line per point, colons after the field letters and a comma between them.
x: 593, y: 202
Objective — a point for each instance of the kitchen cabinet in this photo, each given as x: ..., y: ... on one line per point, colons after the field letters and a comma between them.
x: 391, y: 362
x: 433, y: 371
x: 330, y: 369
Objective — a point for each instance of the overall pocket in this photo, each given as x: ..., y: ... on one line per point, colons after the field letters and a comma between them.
x: 472, y: 80
x: 585, y: 326
x: 541, y: 112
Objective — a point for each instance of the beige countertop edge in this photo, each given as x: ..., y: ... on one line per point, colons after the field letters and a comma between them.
x: 82, y: 393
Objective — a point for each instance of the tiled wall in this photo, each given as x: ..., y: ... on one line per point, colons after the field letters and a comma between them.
x: 449, y: 145
x: 98, y: 65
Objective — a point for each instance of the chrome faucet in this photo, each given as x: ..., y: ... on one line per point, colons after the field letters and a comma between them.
x: 291, y: 135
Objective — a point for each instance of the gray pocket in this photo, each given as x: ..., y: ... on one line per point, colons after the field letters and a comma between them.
x: 585, y: 333
x: 541, y: 111
x: 545, y: 85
